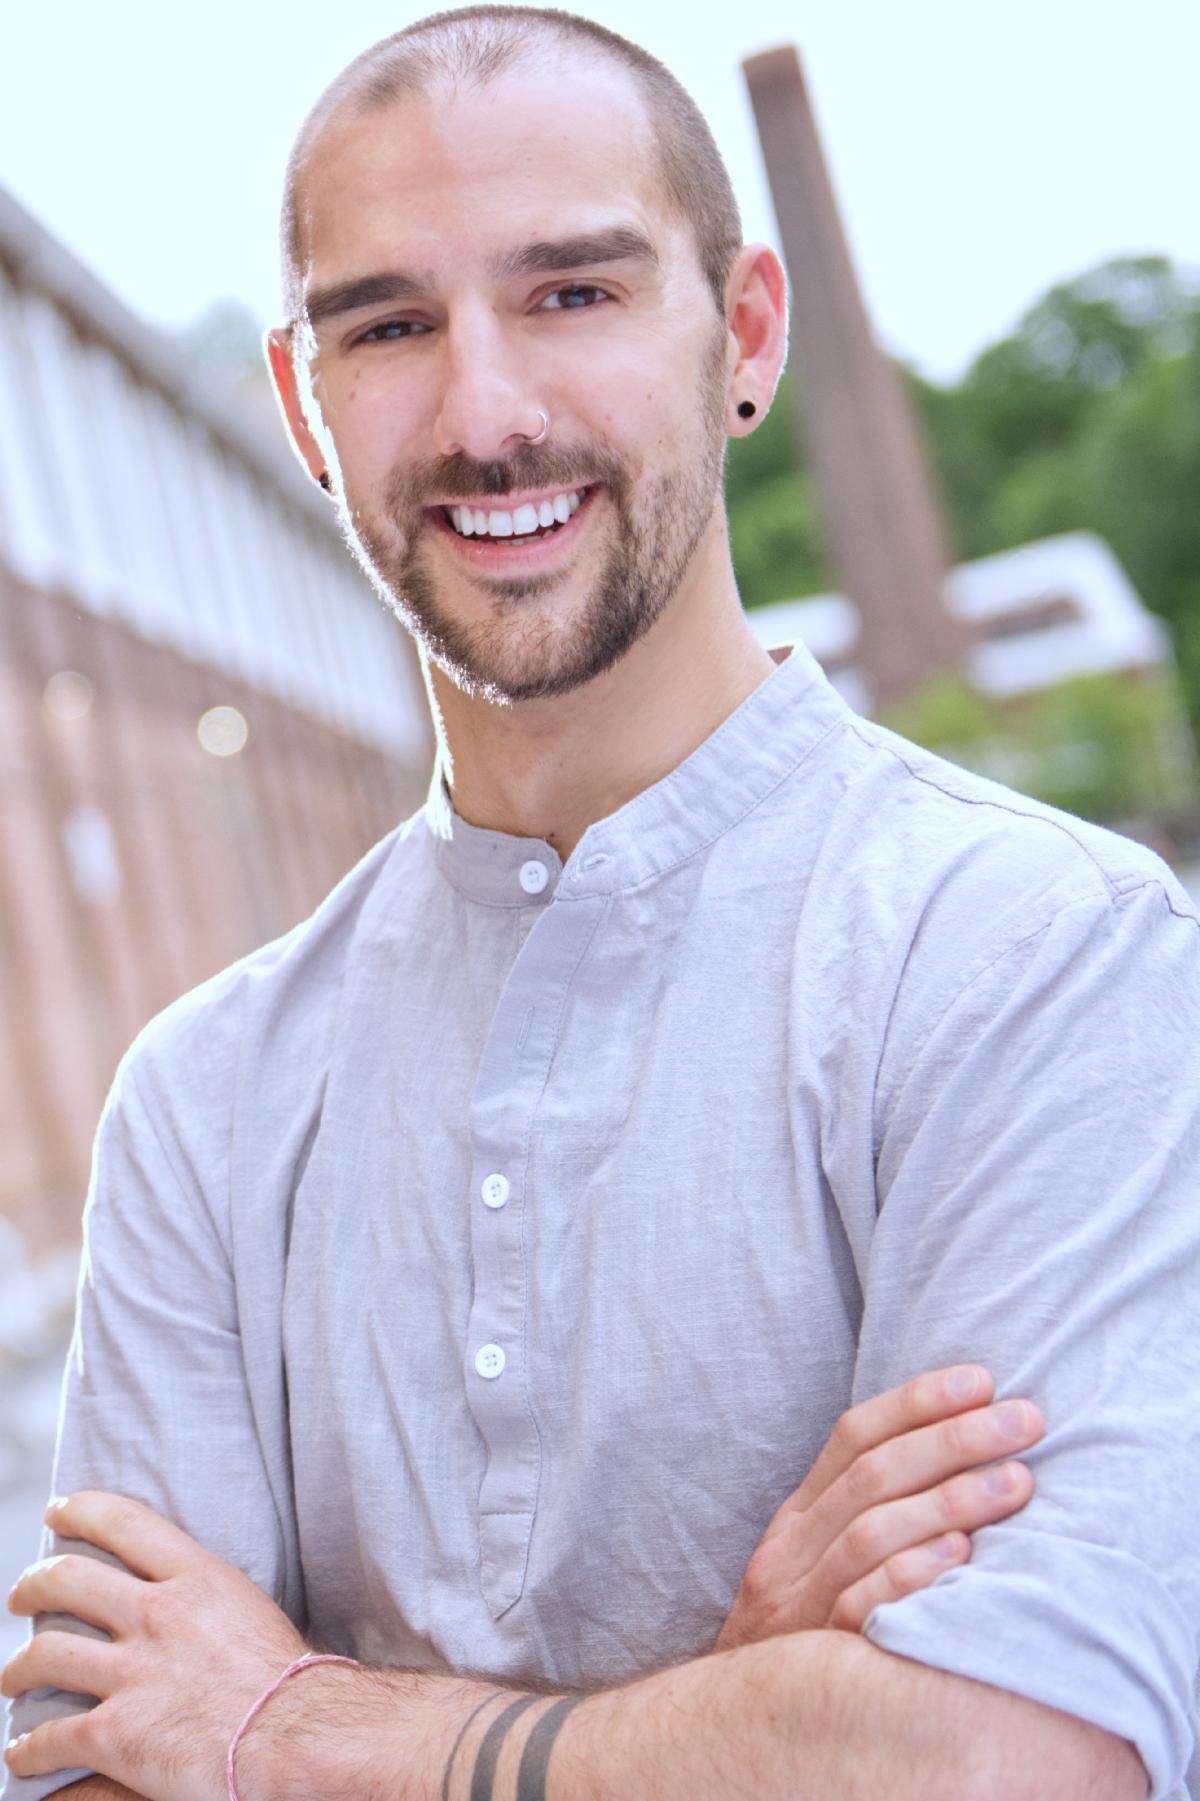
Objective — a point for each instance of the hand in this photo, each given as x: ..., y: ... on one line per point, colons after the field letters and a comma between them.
x: 887, y: 1506
x: 194, y: 1643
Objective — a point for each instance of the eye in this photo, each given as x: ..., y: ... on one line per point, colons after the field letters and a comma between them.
x: 390, y: 331
x: 577, y: 294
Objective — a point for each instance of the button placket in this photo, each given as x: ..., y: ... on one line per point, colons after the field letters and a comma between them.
x: 508, y: 1087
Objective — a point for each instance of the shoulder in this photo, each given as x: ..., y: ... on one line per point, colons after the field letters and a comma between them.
x: 925, y: 878
x: 279, y: 994
x: 970, y: 857
x: 1006, y: 910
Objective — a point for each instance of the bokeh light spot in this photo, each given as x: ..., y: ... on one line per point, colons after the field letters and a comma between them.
x: 222, y: 731
x: 67, y: 695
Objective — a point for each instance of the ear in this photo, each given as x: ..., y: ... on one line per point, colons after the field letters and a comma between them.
x: 756, y: 307
x: 277, y: 347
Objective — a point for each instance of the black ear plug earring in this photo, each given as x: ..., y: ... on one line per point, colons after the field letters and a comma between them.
x: 747, y: 410
x: 324, y: 480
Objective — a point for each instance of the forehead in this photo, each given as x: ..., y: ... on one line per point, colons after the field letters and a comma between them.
x: 452, y: 177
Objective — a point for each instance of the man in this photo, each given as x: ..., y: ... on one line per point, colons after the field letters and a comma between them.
x: 472, y: 1275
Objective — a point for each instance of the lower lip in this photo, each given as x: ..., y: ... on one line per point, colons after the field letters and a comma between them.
x: 502, y: 557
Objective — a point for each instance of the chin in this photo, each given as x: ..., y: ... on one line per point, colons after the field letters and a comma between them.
x: 489, y: 674
x: 543, y: 636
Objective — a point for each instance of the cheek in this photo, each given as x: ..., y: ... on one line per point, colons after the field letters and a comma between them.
x: 337, y: 408
x: 367, y: 428
x: 667, y: 421
x: 362, y: 393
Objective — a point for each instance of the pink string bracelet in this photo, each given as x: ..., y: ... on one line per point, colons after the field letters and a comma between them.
x: 301, y: 1663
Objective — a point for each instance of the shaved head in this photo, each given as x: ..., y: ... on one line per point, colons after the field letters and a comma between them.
x: 473, y: 46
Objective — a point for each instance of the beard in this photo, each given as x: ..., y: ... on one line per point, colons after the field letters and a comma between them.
x: 531, y: 652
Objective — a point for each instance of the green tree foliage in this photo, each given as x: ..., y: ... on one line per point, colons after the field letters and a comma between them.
x: 1140, y: 488
x: 1028, y: 406
x: 1087, y: 416
x: 1034, y: 390
x: 1103, y: 746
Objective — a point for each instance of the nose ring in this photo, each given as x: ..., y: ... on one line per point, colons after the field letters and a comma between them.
x: 545, y: 419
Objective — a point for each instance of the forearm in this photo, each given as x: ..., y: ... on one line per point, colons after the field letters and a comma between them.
x: 790, y: 1719
x: 810, y: 1715
x: 99, y: 1788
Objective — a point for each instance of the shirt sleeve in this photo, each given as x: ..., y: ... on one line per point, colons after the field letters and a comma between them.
x: 1037, y: 1178
x: 155, y: 1403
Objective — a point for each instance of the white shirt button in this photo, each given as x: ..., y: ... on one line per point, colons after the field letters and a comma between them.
x: 534, y: 877
x: 489, y: 1360
x: 495, y: 1190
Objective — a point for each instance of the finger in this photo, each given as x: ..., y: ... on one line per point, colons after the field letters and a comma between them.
x: 68, y: 1743
x: 85, y: 1666
x: 963, y: 1504
x: 933, y: 1396
x: 150, y: 1545
x: 918, y: 1461
x: 904, y: 1574
x: 81, y: 1585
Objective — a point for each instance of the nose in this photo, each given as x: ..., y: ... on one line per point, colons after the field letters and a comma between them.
x: 487, y: 406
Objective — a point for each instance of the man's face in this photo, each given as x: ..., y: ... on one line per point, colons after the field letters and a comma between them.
x: 430, y: 384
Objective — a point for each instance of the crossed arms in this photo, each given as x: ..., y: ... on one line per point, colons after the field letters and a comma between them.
x: 799, y: 1718
x: 789, y: 1703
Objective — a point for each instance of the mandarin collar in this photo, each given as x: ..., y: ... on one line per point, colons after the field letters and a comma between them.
x: 760, y: 743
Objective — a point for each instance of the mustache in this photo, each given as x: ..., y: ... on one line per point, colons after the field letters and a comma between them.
x: 531, y: 466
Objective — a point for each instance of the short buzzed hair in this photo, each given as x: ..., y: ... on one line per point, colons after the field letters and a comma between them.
x: 477, y: 44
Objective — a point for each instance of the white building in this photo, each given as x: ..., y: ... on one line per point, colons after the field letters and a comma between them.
x: 1049, y: 610
x: 206, y: 714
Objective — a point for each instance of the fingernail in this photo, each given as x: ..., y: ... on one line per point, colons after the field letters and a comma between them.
x: 1013, y: 1419
x: 962, y: 1383
x: 946, y: 1549
x: 1000, y: 1481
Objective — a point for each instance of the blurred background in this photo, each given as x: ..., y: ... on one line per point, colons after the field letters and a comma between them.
x: 975, y: 499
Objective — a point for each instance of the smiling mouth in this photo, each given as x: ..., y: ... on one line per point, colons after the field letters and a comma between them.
x: 527, y: 523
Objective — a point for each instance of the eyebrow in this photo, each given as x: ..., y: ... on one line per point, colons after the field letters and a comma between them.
x: 616, y: 244
x: 351, y: 296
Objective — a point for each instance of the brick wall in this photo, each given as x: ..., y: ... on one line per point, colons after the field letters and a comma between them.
x: 134, y: 863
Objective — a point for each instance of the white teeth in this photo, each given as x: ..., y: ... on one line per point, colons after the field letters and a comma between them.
x: 473, y: 522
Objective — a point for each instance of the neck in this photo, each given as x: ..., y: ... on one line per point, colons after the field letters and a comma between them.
x: 550, y: 768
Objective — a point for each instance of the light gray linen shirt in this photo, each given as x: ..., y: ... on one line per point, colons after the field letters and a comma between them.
x: 481, y: 1264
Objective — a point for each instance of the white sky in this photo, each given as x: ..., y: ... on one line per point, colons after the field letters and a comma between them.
x: 979, y: 152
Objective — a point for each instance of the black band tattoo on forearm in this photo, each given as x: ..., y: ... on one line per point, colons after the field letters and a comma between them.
x: 531, y: 1777
x: 462, y: 1733
x: 484, y: 1773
